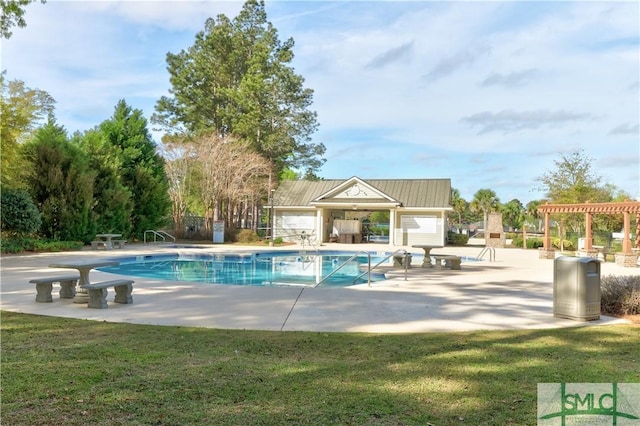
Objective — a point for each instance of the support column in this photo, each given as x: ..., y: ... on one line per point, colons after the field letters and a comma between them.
x: 626, y: 241
x: 547, y: 238
x: 588, y: 240
x: 319, y: 225
x: 392, y: 227
x: 587, y: 250
x: 546, y: 251
x: 637, y: 243
x: 627, y: 257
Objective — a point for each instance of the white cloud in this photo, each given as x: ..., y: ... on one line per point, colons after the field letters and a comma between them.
x: 626, y: 129
x: 402, y: 53
x: 513, y: 79
x: 510, y: 81
x: 450, y: 64
x: 513, y: 121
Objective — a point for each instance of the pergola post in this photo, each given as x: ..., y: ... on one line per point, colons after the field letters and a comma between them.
x: 626, y: 240
x: 547, y: 237
x: 546, y: 251
x: 588, y: 238
x: 637, y: 244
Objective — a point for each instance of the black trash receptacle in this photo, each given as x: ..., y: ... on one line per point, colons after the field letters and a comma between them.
x: 576, y: 288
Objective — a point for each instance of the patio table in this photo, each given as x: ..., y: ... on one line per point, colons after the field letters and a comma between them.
x: 426, y: 263
x: 108, y: 238
x: 83, y: 267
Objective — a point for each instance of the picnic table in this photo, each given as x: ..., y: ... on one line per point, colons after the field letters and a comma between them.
x: 84, y: 267
x: 426, y: 263
x: 108, y: 239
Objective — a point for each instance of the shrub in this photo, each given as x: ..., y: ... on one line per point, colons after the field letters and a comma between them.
x: 53, y: 245
x: 567, y: 245
x: 11, y: 245
x: 278, y: 240
x: 620, y: 295
x: 247, y: 236
x: 532, y: 243
x: 22, y: 244
x: 231, y: 234
x: 19, y: 215
x: 457, y: 239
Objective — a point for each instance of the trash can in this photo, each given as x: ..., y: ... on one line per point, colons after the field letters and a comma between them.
x: 576, y: 288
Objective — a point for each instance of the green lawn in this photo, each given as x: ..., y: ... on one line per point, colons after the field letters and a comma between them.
x: 58, y: 371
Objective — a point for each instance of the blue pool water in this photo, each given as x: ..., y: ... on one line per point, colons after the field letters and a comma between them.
x: 263, y: 268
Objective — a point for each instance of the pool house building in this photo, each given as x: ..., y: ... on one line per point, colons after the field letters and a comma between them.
x: 407, y: 211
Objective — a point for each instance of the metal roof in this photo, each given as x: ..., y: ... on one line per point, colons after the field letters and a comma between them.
x: 420, y: 193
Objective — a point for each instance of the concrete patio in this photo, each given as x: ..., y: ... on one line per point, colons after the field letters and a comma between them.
x: 513, y: 292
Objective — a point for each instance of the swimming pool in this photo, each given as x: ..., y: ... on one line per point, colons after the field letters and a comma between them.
x: 260, y: 268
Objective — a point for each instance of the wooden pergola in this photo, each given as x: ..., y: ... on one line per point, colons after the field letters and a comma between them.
x: 626, y: 208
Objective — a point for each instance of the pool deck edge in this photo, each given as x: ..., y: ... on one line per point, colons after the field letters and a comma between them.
x: 514, y: 292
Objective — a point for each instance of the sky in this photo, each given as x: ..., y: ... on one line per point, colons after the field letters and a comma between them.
x: 488, y: 94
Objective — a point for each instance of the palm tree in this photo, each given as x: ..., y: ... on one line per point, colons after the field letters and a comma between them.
x: 513, y: 213
x: 532, y: 211
x: 458, y: 203
x: 486, y: 201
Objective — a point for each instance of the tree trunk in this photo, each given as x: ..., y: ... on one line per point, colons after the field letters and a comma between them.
x: 245, y: 215
x: 209, y: 217
x: 561, y: 233
x: 254, y: 222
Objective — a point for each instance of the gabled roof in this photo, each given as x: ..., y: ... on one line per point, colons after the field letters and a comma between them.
x: 354, y: 190
x: 419, y: 193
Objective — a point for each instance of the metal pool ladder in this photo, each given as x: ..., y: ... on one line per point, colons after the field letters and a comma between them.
x: 158, y: 234
x: 369, y: 268
x: 491, y: 251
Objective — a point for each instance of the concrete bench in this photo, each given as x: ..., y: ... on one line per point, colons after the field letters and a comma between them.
x: 447, y: 261
x: 118, y: 244
x: 97, y: 244
x: 400, y: 259
x: 98, y: 292
x: 44, y: 286
x: 602, y: 252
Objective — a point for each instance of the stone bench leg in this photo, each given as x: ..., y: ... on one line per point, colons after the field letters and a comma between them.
x: 440, y: 263
x: 398, y: 261
x: 98, y: 298
x: 454, y: 263
x: 67, y: 289
x: 95, y: 245
x: 43, y: 292
x: 123, y: 293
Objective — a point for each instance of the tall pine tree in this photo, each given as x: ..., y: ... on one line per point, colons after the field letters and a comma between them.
x: 237, y: 80
x: 113, y: 204
x: 61, y: 184
x: 141, y: 168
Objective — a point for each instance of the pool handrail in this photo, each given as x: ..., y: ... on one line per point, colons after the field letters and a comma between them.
x: 491, y: 251
x: 399, y: 251
x: 309, y: 238
x: 156, y: 234
x: 344, y: 263
x: 369, y: 268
